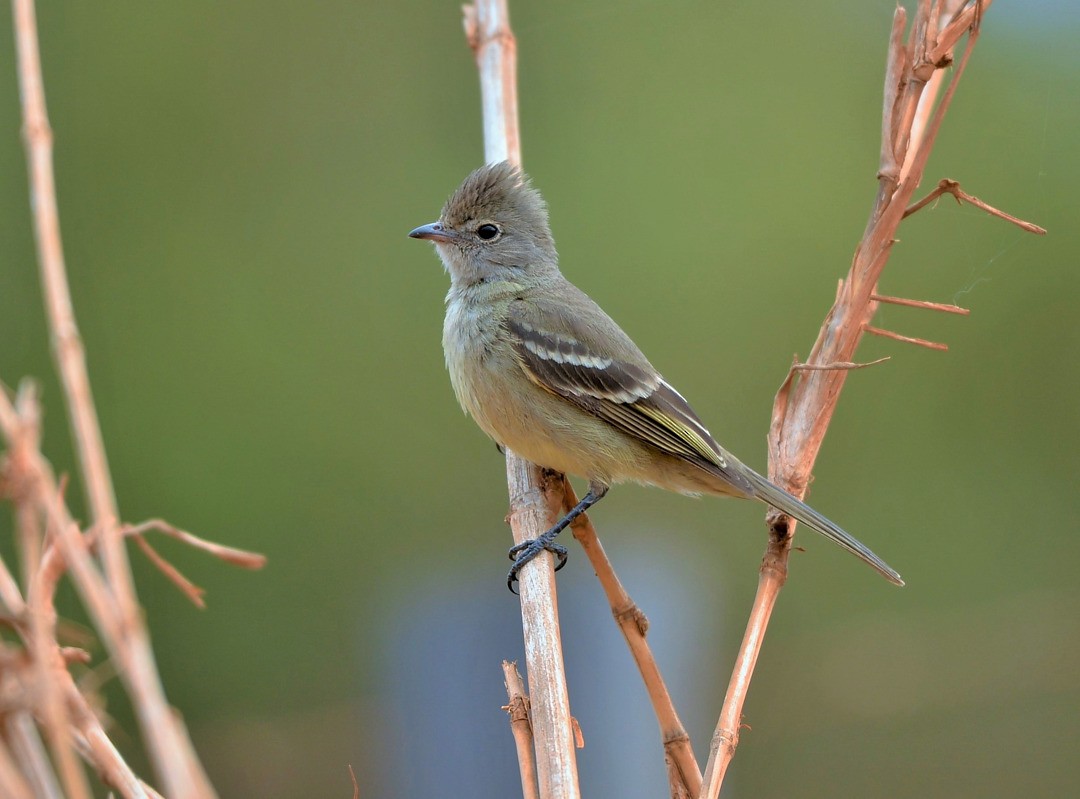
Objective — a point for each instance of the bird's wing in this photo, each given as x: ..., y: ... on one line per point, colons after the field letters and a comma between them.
x: 603, y: 372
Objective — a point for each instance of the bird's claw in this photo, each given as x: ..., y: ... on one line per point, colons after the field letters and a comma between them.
x: 527, y: 550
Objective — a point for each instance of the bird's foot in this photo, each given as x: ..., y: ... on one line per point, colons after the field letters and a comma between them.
x: 527, y: 550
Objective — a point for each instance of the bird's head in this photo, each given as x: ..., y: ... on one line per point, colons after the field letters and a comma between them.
x: 494, y: 227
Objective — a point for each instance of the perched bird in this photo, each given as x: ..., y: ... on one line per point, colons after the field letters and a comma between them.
x: 544, y: 371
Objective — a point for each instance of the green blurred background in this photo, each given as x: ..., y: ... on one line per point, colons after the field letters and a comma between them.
x: 236, y: 181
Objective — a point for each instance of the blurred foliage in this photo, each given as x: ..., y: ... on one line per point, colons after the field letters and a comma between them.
x: 236, y: 181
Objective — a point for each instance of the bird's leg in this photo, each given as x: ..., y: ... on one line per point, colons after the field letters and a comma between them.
x: 527, y: 550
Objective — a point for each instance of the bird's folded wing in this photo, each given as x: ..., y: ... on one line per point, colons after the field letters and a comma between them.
x: 632, y: 397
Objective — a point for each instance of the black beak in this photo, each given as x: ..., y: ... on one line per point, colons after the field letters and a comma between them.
x: 433, y: 231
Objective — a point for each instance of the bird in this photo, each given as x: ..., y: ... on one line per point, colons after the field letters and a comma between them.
x: 545, y: 372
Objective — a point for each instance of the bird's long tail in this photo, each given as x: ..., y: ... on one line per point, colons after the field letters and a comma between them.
x: 782, y: 500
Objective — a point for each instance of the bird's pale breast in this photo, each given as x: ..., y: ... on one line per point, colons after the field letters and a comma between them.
x: 543, y: 428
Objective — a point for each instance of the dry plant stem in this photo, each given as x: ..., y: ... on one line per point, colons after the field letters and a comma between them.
x: 725, y: 739
x: 67, y: 551
x: 64, y: 713
x: 168, y: 746
x: 518, y: 709
x: 676, y: 785
x: 355, y: 784
x: 28, y: 750
x: 45, y: 663
x: 12, y: 783
x: 237, y: 557
x: 817, y: 367
x: 553, y: 735
x: 231, y: 555
x: 9, y: 592
x: 488, y: 31
x: 49, y: 674
x: 930, y: 306
x: 946, y: 186
x: 98, y: 749
x: 66, y: 343
x: 634, y: 625
x: 487, y: 27
x: 802, y: 410
x: 52, y: 680
x: 919, y: 342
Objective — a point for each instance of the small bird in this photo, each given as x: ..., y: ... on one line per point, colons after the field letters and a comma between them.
x: 544, y: 371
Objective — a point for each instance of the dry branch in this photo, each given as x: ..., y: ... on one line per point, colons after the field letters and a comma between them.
x: 52, y: 545
x: 168, y: 745
x: 817, y: 367
x: 947, y: 186
x: 538, y: 498
x: 355, y: 784
x: 911, y: 119
x: 920, y: 342
x: 487, y: 29
x: 65, y: 714
x: 930, y: 306
x: 518, y: 709
x: 684, y: 774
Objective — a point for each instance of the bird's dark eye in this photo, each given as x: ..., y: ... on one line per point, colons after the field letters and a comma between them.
x: 487, y: 232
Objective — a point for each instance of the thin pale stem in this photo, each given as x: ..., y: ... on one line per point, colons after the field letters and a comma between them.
x: 532, y: 505
x: 930, y: 306
x: 49, y: 670
x: 12, y: 783
x: 66, y: 343
x: 919, y: 342
x: 167, y: 743
x: 28, y: 750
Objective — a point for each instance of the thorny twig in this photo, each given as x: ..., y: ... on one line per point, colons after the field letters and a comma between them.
x: 802, y: 411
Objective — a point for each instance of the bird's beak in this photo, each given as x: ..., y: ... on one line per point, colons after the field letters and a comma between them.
x: 433, y: 231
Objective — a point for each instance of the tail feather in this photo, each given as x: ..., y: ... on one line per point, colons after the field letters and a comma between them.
x: 782, y: 500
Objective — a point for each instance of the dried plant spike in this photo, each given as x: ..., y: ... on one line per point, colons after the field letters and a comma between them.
x: 193, y: 592
x: 948, y: 186
x: 930, y: 306
x: 920, y: 342
x: 231, y: 555
x: 843, y: 365
x: 355, y: 784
